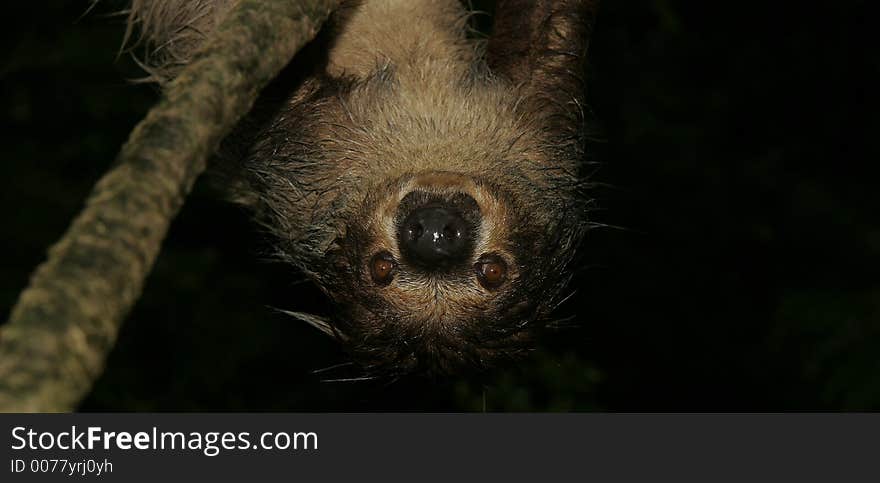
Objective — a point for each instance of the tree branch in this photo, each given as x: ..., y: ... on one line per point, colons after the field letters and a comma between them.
x: 65, y: 323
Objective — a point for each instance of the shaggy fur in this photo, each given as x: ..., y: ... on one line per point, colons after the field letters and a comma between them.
x: 405, y: 103
x: 170, y: 31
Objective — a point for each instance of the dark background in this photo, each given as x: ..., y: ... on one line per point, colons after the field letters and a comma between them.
x: 739, y: 167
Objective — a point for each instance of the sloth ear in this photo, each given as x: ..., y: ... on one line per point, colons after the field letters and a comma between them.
x: 542, y: 44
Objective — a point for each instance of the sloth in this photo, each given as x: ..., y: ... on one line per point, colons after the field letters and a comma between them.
x: 431, y: 182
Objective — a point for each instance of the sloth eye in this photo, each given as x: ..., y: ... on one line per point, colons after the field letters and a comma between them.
x: 382, y: 268
x: 491, y: 271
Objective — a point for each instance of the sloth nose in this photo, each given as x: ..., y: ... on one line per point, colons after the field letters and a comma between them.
x: 435, y: 237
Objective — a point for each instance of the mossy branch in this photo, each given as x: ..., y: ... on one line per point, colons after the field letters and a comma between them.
x: 65, y: 323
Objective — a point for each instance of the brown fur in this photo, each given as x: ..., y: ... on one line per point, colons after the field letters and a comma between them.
x: 406, y: 103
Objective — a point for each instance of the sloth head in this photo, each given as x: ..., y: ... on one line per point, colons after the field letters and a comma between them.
x: 443, y: 271
x: 437, y: 203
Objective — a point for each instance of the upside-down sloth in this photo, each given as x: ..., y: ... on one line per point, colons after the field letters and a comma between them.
x: 428, y: 180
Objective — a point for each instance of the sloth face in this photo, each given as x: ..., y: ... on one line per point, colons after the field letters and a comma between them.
x: 440, y: 218
x: 450, y: 274
x: 442, y: 231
